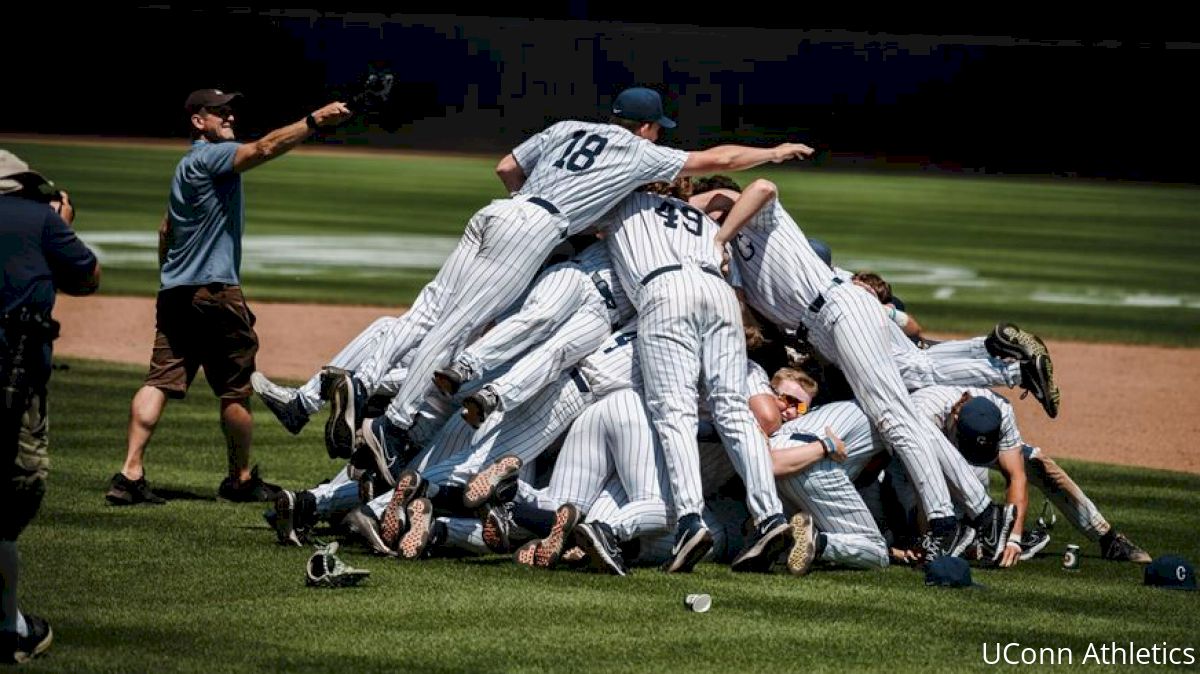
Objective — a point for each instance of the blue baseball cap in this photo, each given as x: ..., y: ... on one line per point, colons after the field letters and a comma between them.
x: 1171, y: 572
x: 822, y: 250
x: 978, y: 431
x: 641, y: 105
x: 949, y: 572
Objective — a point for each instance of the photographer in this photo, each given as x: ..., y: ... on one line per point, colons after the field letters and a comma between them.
x: 201, y: 315
x: 41, y: 254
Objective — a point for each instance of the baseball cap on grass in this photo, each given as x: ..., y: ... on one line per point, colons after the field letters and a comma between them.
x: 949, y: 572
x: 1170, y: 572
x: 208, y: 98
x: 15, y: 175
x: 978, y: 431
x: 641, y: 105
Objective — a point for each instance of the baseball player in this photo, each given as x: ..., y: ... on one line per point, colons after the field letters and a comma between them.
x: 690, y: 325
x: 784, y: 280
x: 982, y: 425
x: 561, y: 180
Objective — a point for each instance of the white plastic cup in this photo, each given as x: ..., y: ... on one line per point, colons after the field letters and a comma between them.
x: 698, y: 603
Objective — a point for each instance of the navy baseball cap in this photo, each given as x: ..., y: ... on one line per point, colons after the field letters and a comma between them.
x: 1170, y: 572
x: 949, y: 572
x: 978, y: 431
x: 641, y: 105
x: 822, y: 250
x: 208, y: 98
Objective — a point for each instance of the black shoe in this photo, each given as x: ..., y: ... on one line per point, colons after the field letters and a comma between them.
x: 602, y: 547
x: 1032, y: 542
x: 1037, y: 377
x: 295, y: 514
x: 478, y: 406
x: 346, y: 397
x: 362, y: 523
x: 1115, y: 547
x: 251, y: 491
x: 451, y: 379
x: 1006, y: 340
x: 18, y: 649
x: 770, y: 538
x: 692, y: 542
x: 383, y: 449
x: 949, y: 540
x: 123, y: 491
x: 991, y: 530
x: 497, y: 526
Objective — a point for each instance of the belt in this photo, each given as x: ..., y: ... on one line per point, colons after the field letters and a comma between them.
x: 676, y: 267
x: 819, y: 303
x: 538, y: 201
x: 580, y: 382
x: 605, y: 291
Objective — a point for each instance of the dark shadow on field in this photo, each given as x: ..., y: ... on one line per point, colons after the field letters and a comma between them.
x: 182, y: 495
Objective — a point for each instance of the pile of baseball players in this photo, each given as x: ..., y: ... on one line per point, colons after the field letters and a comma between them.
x: 574, y: 387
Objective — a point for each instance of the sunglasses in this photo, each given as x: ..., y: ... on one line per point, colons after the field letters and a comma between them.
x: 223, y: 112
x: 801, y: 406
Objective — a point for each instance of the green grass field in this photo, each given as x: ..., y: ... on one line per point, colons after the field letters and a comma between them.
x: 1070, y: 258
x: 201, y: 586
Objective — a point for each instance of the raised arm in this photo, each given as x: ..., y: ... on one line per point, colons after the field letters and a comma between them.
x: 283, y: 139
x: 756, y: 195
x: 511, y: 174
x: 726, y: 158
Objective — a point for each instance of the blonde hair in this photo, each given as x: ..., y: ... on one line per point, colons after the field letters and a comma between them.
x: 805, y: 382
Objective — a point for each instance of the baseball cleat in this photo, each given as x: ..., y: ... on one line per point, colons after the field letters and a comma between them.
x: 804, y: 544
x: 35, y: 643
x: 991, y: 530
x: 600, y: 544
x: 414, y: 542
x: 1115, y: 547
x: 769, y: 539
x: 496, y: 478
x: 1006, y: 340
x: 497, y: 523
x: 1033, y: 542
x: 692, y: 542
x: 285, y: 528
x: 545, y: 553
x: 382, y: 448
x: 478, y: 406
x: 361, y: 522
x: 1037, y: 377
x: 451, y: 379
x: 393, y: 521
x: 953, y: 542
x: 345, y: 396
x: 283, y: 401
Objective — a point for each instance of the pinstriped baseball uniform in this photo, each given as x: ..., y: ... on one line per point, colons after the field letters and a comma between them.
x: 689, y: 324
x: 338, y: 496
x: 783, y: 278
x: 612, y: 440
x: 1047, y: 476
x: 825, y: 490
x: 962, y: 362
x: 575, y: 172
x: 716, y: 469
x: 570, y: 311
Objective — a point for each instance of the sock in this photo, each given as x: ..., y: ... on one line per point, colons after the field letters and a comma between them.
x: 22, y: 626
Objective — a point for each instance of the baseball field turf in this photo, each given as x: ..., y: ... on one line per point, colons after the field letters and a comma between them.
x: 201, y: 586
x: 1091, y: 260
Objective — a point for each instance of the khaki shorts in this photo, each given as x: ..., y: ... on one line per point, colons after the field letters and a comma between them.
x: 23, y: 491
x: 203, y: 326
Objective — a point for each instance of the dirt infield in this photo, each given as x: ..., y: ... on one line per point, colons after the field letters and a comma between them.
x: 1132, y: 405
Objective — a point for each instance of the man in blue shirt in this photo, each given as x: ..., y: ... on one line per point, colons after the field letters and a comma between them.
x: 202, y: 317
x: 41, y: 254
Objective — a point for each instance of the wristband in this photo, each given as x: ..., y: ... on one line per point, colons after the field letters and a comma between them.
x: 1013, y: 538
x: 311, y: 122
x: 830, y: 446
x: 1012, y: 542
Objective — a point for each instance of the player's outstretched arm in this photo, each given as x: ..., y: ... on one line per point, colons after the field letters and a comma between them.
x: 1012, y: 466
x: 726, y: 158
x: 283, y: 139
x: 511, y: 174
x: 756, y: 195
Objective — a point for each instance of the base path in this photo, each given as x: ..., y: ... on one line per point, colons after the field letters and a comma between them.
x: 1132, y: 405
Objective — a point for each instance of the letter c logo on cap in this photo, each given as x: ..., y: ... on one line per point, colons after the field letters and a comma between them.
x: 1181, y: 573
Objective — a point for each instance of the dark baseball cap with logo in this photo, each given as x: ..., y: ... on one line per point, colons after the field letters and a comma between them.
x: 641, y: 105
x: 1170, y: 572
x: 949, y: 572
x: 208, y: 98
x: 978, y: 431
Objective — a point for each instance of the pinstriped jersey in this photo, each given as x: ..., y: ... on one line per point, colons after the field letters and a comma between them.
x: 584, y: 169
x: 846, y: 420
x: 780, y: 273
x: 597, y: 264
x: 649, y: 231
x: 935, y: 402
x: 615, y: 364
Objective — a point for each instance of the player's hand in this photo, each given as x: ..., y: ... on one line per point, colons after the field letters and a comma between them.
x: 839, y: 455
x: 63, y: 207
x: 786, y: 151
x: 332, y: 114
x: 903, y: 557
x: 1012, y: 555
x: 723, y: 254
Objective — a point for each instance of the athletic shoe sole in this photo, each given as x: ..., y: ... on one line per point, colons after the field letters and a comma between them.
x: 392, y: 522
x: 482, y: 488
x: 285, y: 509
x: 420, y: 529
x: 495, y: 532
x: 804, y: 544
x: 339, y: 429
x: 589, y: 540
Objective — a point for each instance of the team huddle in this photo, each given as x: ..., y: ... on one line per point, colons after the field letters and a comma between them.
x: 575, y: 387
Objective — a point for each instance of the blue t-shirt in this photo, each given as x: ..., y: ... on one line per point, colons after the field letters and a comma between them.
x: 207, y: 218
x: 41, y: 253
